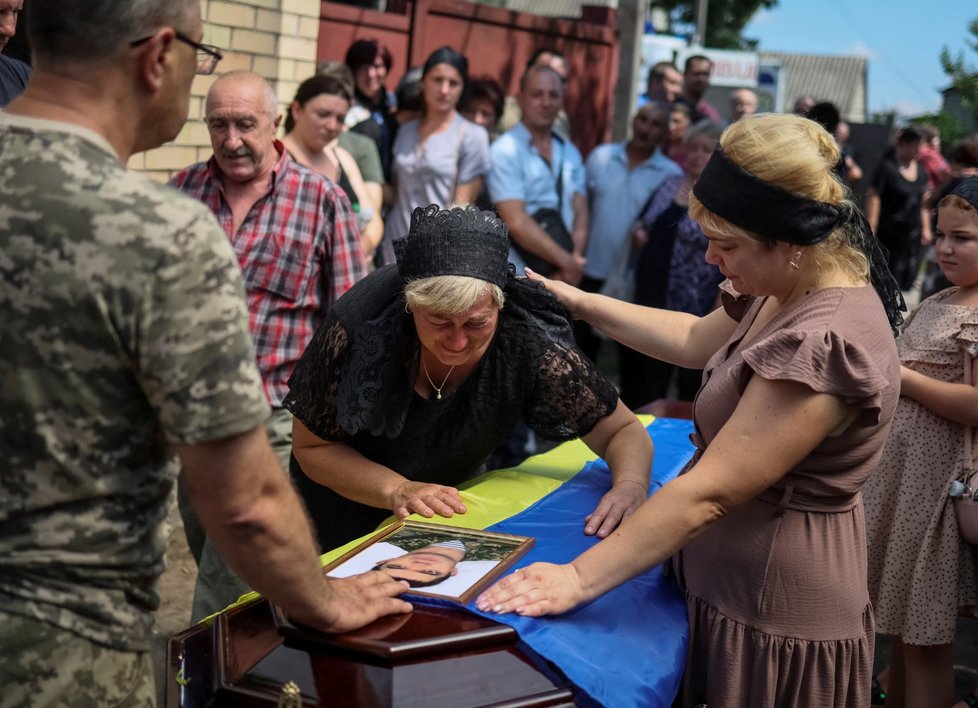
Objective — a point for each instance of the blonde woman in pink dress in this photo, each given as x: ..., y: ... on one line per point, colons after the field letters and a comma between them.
x: 801, y: 380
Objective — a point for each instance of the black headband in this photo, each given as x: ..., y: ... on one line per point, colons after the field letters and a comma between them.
x: 968, y: 190
x: 773, y: 213
x: 458, y: 241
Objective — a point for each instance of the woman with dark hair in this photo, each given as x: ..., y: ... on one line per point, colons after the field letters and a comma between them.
x: 483, y: 103
x: 370, y: 60
x: 896, y: 206
x: 439, y: 158
x: 312, y: 128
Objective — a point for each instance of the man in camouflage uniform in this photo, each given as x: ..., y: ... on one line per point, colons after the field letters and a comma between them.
x: 125, y: 338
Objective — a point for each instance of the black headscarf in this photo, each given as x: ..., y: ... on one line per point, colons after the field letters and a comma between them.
x: 460, y: 241
x: 967, y: 189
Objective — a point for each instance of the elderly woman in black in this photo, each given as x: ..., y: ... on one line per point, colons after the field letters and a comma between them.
x: 423, y: 368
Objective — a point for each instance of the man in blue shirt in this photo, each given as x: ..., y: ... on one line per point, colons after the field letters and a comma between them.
x: 665, y: 83
x: 532, y: 168
x: 621, y: 179
x: 13, y: 78
x: 13, y: 73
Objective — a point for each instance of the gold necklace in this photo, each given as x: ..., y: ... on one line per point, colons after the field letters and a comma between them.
x: 428, y: 376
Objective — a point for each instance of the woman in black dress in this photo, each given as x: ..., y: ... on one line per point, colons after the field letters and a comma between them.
x: 423, y: 368
x: 896, y: 207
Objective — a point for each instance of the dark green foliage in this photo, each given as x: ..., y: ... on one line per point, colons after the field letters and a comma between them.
x: 725, y: 20
x: 477, y: 546
x: 964, y: 76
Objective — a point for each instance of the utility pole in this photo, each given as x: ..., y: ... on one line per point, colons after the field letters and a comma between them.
x: 631, y: 28
x: 699, y: 38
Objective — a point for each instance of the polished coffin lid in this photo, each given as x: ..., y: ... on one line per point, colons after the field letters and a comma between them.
x: 433, y: 656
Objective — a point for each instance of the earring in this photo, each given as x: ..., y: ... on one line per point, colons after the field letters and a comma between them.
x: 794, y: 260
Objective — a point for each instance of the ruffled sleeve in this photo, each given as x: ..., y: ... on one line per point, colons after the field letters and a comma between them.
x: 942, y: 333
x: 822, y: 360
x: 967, y: 338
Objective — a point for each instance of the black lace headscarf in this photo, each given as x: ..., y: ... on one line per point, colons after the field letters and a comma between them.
x: 461, y: 241
x: 776, y: 214
x: 967, y: 189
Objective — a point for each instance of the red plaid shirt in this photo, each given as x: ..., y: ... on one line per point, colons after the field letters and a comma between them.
x: 299, y: 250
x: 938, y: 171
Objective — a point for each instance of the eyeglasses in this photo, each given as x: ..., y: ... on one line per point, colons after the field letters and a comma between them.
x: 207, y: 54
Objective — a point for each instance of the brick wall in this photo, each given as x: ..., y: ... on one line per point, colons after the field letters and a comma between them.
x: 275, y: 38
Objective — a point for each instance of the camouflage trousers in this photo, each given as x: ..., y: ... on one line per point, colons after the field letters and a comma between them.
x: 217, y: 585
x: 43, y: 665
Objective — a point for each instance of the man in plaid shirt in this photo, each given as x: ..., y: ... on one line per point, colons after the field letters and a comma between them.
x: 298, y: 245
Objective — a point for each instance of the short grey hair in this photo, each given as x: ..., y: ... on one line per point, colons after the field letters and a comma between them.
x: 243, y: 75
x: 92, y: 31
x: 450, y: 294
x: 539, y: 69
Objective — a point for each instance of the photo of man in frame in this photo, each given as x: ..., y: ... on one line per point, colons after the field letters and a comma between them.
x: 433, y: 560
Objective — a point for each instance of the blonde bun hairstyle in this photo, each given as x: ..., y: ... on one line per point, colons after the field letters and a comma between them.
x: 800, y: 156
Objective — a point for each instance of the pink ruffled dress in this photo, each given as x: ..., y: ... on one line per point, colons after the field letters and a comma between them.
x: 778, y: 604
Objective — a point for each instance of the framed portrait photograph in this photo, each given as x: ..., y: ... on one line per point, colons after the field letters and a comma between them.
x: 440, y: 561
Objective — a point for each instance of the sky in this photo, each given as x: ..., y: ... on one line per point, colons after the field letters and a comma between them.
x: 901, y: 38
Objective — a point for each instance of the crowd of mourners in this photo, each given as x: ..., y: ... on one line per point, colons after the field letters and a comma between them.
x: 349, y: 310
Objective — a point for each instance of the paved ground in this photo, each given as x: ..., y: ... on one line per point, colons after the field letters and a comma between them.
x: 965, y: 655
x: 176, y: 596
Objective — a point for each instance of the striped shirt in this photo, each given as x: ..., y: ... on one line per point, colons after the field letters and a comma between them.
x: 299, y: 251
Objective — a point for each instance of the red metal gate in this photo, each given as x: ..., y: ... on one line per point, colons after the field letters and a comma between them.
x: 497, y: 42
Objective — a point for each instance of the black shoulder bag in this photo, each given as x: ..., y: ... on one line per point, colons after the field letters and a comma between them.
x: 551, y: 221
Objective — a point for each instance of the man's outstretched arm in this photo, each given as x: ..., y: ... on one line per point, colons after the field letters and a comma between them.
x: 255, y: 519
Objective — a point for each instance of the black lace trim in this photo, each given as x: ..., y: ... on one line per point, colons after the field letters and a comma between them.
x: 357, y: 374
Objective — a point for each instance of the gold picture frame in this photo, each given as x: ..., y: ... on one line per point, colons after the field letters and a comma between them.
x: 427, y: 556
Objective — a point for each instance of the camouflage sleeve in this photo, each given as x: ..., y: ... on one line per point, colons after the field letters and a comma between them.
x: 197, y: 365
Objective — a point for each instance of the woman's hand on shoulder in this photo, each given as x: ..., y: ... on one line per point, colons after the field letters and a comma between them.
x: 426, y: 499
x: 618, y: 503
x: 570, y: 297
x: 539, y: 589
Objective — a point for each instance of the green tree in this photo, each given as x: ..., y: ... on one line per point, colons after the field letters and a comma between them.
x: 948, y: 126
x: 963, y: 76
x: 725, y: 20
